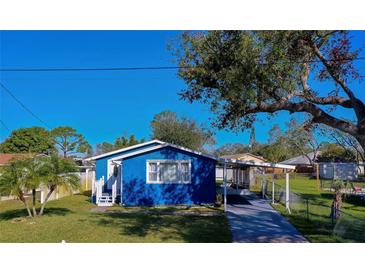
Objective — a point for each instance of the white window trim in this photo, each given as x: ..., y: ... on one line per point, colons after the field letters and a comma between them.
x: 179, y: 162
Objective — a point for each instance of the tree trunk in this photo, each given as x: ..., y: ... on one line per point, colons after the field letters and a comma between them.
x: 336, y: 205
x: 34, y: 202
x: 361, y: 140
x: 46, y: 200
x: 22, y: 198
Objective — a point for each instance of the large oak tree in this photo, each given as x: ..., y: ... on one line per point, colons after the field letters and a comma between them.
x: 243, y: 73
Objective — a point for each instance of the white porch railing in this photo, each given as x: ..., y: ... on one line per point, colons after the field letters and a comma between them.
x: 98, y: 186
x: 104, y: 199
x: 114, y: 191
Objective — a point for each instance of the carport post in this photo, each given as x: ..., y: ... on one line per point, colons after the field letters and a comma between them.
x: 225, y: 186
x: 273, y: 188
x: 287, y: 206
x: 263, y: 184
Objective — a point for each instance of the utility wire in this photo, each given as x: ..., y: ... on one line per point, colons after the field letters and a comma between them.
x: 148, y: 68
x: 4, y: 126
x: 22, y: 105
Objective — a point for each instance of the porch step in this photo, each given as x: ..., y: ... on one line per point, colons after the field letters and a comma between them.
x: 105, y: 201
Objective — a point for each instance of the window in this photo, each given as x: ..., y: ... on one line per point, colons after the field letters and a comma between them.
x: 168, y: 172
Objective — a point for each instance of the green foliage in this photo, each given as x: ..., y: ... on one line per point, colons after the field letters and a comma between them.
x: 252, y: 141
x: 12, y: 179
x: 124, y: 141
x: 275, y: 152
x: 335, y: 153
x: 25, y: 140
x: 337, y: 185
x: 230, y: 149
x: 25, y: 175
x: 241, y: 74
x: 120, y: 142
x: 104, y: 147
x: 69, y: 141
x: 168, y: 127
x: 59, y: 173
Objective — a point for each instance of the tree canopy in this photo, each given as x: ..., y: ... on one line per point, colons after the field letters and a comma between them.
x: 335, y: 153
x: 68, y: 141
x: 28, y: 140
x: 120, y: 142
x: 168, y: 127
x: 243, y: 73
x: 27, y: 175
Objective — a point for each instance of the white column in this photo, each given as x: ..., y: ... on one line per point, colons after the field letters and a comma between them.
x: 287, y: 191
x: 42, y: 196
x: 225, y: 186
x: 237, y: 177
x: 86, y: 178
x: 263, y: 183
x: 273, y: 188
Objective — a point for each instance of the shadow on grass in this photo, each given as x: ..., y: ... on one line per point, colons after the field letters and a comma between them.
x: 168, y: 228
x: 16, y: 213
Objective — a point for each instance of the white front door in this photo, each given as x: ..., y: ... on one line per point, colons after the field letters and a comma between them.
x: 114, y: 168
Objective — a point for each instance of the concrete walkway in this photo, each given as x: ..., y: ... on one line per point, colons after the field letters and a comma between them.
x: 253, y: 220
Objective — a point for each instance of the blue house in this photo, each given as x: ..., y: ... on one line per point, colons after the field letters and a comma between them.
x: 154, y: 173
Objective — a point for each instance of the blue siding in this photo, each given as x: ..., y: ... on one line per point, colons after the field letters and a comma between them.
x: 137, y: 192
x: 101, y: 165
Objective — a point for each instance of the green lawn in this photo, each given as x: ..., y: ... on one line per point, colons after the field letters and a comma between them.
x: 315, y: 223
x: 70, y: 219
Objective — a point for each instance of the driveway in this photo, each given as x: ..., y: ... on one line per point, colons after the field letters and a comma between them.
x: 253, y: 220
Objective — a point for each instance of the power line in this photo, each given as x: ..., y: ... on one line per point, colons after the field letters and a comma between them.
x: 4, y: 125
x: 22, y: 105
x: 90, y: 69
x: 148, y: 68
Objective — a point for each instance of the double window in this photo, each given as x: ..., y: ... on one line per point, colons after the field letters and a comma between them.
x: 168, y: 171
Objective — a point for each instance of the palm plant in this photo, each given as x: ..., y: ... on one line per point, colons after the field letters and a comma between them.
x: 34, y: 174
x: 22, y: 176
x: 59, y: 174
x: 12, y: 182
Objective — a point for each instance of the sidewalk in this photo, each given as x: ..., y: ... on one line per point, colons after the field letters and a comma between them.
x: 253, y: 220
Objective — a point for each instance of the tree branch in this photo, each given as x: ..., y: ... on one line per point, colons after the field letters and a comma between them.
x: 358, y: 106
x: 319, y: 116
x: 331, y: 71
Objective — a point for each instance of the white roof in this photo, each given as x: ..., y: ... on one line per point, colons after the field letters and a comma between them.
x: 255, y: 164
x: 301, y: 159
x: 122, y: 149
x: 164, y: 144
x: 160, y: 145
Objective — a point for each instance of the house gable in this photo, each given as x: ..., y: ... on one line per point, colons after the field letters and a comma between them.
x: 136, y: 190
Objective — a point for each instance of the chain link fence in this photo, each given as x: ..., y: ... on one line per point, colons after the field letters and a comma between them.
x: 315, y: 213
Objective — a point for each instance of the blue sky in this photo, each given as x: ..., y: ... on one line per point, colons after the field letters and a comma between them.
x: 103, y: 105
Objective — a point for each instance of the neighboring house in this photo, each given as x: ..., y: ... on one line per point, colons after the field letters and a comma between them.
x: 332, y: 171
x: 6, y: 158
x: 246, y: 157
x: 245, y: 174
x: 302, y: 163
x: 154, y: 173
x: 339, y: 171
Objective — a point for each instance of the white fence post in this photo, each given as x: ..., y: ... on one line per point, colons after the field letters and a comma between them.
x: 225, y: 186
x: 42, y: 196
x: 287, y: 191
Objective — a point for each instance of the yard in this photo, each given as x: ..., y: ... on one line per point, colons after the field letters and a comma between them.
x: 73, y: 220
x: 311, y: 210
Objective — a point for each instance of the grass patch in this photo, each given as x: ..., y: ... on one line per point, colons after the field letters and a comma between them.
x: 70, y: 219
x: 315, y: 223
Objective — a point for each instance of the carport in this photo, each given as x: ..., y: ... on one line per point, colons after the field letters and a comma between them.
x: 238, y: 166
